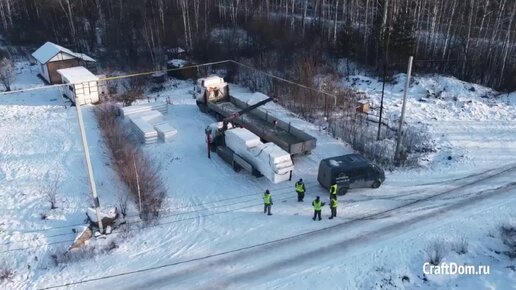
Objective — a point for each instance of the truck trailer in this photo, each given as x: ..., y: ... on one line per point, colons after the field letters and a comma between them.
x: 214, y: 98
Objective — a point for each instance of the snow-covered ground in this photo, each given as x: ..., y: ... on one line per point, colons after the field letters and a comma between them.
x: 40, y: 143
x: 214, y: 233
x: 472, y: 124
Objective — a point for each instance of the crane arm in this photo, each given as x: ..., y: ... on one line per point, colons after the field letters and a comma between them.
x: 245, y: 111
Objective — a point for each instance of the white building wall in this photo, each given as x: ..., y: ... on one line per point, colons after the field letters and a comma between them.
x: 61, y: 56
x: 43, y: 71
x: 86, y: 93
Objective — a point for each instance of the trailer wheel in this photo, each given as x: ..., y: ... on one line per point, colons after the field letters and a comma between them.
x: 342, y: 191
x: 376, y: 184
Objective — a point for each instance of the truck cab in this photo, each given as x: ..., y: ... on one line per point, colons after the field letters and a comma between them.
x: 349, y: 171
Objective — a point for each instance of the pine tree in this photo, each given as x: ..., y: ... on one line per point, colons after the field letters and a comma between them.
x: 402, y: 39
x: 347, y: 44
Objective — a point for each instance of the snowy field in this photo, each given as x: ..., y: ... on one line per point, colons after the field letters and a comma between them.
x: 472, y: 124
x: 214, y: 234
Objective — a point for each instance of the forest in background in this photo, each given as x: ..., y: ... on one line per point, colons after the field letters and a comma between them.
x: 470, y: 39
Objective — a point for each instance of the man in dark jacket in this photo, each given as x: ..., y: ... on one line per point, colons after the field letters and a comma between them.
x: 300, y: 189
x: 317, y: 204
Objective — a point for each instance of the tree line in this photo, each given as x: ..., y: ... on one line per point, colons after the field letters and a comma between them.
x: 470, y: 39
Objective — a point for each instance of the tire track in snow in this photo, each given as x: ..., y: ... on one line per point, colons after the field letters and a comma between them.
x: 219, y: 260
x: 329, y: 250
x: 206, y: 211
x: 282, y: 266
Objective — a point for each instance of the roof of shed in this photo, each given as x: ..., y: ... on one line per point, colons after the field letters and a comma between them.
x: 77, y: 74
x: 48, y: 50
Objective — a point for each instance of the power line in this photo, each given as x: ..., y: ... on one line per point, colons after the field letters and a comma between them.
x: 338, y: 225
x: 277, y: 190
x: 32, y: 89
x: 177, y: 263
x: 149, y: 226
x: 147, y: 73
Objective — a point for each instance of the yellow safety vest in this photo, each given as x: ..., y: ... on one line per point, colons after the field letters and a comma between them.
x: 267, y: 199
x: 334, y: 203
x: 317, y: 205
x: 299, y: 187
x: 333, y: 189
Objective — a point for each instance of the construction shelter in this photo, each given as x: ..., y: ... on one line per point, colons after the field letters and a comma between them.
x: 83, y: 85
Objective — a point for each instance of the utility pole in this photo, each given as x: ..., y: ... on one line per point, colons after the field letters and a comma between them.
x: 88, y: 165
x: 407, y: 83
x: 381, y: 101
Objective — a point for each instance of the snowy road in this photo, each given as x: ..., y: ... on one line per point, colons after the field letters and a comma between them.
x: 255, y: 263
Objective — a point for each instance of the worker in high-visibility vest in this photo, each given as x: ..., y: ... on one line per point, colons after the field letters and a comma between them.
x: 333, y: 190
x: 300, y: 189
x: 333, y: 206
x: 317, y: 204
x: 267, y: 202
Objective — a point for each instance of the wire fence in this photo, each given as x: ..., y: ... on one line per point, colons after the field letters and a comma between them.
x: 333, y: 108
x: 337, y: 110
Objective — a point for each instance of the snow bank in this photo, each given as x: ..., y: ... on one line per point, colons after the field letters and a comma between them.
x: 109, y: 214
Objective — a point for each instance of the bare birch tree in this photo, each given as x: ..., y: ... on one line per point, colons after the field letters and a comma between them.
x: 7, y: 73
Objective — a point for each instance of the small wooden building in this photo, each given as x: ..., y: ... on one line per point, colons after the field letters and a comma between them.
x: 83, y: 87
x: 363, y: 106
x: 51, y: 57
x: 176, y: 68
x: 176, y: 52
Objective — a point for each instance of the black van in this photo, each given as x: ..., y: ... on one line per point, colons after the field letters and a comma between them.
x: 349, y: 171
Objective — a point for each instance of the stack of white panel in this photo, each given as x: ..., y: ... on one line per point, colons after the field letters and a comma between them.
x: 144, y: 131
x: 147, y: 122
x: 278, y: 159
x: 158, y: 106
x: 165, y: 131
x: 272, y: 161
x: 241, y: 139
x: 152, y: 117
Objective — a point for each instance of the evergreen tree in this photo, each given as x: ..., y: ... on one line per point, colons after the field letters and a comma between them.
x: 348, y: 42
x: 402, y: 39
